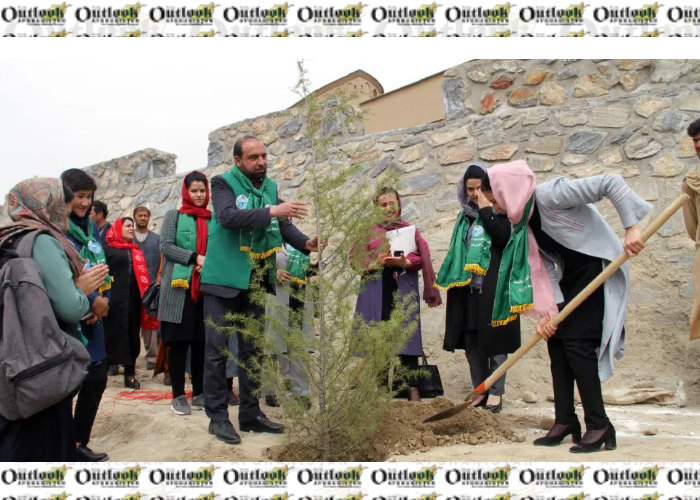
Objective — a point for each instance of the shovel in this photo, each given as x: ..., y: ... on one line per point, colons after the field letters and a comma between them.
x: 563, y: 314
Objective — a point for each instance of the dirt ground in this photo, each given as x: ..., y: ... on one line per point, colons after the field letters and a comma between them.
x: 146, y: 430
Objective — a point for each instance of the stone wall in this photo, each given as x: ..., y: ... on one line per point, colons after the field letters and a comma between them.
x: 565, y: 117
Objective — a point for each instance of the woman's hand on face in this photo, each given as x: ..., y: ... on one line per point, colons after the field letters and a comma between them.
x: 633, y: 241
x: 545, y: 329
x: 482, y: 201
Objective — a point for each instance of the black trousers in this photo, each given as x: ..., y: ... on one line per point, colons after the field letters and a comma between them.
x: 48, y: 436
x: 177, y: 358
x: 575, y: 360
x: 88, y: 401
x: 215, y: 386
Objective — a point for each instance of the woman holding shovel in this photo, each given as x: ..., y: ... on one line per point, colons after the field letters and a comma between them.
x: 560, y: 243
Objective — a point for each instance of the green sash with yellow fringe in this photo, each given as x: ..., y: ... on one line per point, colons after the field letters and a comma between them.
x: 514, y: 293
x: 258, y: 242
x: 460, y: 261
x: 186, y: 238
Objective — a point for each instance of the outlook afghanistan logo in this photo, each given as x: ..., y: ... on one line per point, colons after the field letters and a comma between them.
x: 689, y: 477
x: 406, y: 16
x: 35, y: 478
x: 275, y: 478
x: 258, y: 16
x: 423, y: 478
x: 124, y: 16
x: 553, y: 16
x: 34, y: 16
x: 480, y: 478
x: 350, y: 15
x: 110, y: 478
x: 494, y: 16
x: 182, y: 478
x: 331, y: 478
x: 690, y: 15
x: 552, y: 478
x: 645, y: 478
x: 579, y: 496
x: 627, y: 16
x: 182, y: 16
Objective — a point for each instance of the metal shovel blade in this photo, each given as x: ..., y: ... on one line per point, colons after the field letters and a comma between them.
x: 451, y: 412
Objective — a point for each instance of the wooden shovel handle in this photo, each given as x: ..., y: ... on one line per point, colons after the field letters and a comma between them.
x: 586, y: 292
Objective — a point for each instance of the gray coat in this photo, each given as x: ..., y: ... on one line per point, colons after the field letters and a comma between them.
x: 278, y: 306
x: 569, y: 218
x: 172, y: 300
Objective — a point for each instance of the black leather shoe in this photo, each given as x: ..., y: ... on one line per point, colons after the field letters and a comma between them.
x: 574, y: 430
x: 232, y: 399
x: 132, y: 383
x: 224, y: 431
x: 85, y: 454
x: 608, y: 439
x: 261, y: 424
x: 271, y: 400
x: 495, y: 408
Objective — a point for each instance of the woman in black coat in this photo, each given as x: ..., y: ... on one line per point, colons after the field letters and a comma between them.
x: 127, y: 266
x: 470, y: 306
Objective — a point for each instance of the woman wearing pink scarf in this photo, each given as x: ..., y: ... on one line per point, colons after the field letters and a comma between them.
x: 567, y: 244
x: 376, y: 301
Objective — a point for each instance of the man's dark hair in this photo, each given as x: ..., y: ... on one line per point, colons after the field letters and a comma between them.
x: 100, y: 207
x: 67, y: 194
x: 136, y: 210
x: 486, y: 183
x: 238, y: 147
x: 78, y: 180
x: 195, y: 177
x: 694, y: 128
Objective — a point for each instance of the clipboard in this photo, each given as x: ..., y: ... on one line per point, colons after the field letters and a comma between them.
x: 403, y: 239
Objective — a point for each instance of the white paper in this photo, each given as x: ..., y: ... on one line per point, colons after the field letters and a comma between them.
x: 403, y: 239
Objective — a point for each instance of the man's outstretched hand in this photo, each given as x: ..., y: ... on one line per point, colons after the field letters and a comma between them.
x: 295, y: 209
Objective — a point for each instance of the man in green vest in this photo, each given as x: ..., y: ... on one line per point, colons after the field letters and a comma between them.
x: 248, y: 220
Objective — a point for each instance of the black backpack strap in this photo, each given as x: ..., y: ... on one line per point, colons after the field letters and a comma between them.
x: 26, y: 244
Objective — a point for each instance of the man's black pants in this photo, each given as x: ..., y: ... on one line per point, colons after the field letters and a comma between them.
x: 215, y: 387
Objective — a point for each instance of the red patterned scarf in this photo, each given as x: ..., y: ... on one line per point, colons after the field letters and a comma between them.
x: 116, y: 239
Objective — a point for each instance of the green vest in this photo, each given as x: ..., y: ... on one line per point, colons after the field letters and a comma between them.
x: 225, y: 263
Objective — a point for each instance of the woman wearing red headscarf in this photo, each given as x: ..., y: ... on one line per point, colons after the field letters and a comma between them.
x: 126, y: 315
x: 183, y: 244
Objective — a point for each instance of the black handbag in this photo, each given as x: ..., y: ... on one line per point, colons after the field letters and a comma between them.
x: 430, y: 385
x: 151, y: 299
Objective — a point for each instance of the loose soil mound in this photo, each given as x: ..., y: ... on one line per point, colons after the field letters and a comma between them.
x: 402, y: 432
